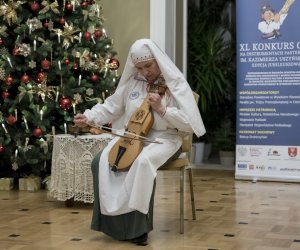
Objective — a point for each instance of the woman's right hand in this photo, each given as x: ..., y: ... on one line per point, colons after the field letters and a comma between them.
x: 80, y: 120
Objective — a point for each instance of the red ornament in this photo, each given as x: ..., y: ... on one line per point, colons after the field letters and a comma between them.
x: 35, y: 7
x: 2, y: 149
x: 66, y: 61
x: 87, y: 36
x: 46, y: 24
x: 65, y: 103
x: 98, y: 33
x: 94, y: 77
x: 16, y: 51
x: 37, y: 132
x: 5, y: 94
x: 11, y: 119
x: 45, y: 64
x: 1, y: 41
x: 62, y: 20
x: 25, y: 78
x: 84, y: 4
x: 40, y: 77
x: 114, y: 64
x: 9, y: 80
x: 75, y: 66
x: 69, y: 6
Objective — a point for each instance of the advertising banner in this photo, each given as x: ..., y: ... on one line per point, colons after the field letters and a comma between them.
x: 268, y: 90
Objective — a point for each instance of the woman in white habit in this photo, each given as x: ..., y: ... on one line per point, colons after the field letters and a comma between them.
x: 123, y: 206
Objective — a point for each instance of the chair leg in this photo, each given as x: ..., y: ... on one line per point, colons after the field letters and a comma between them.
x: 192, y: 193
x: 182, y: 172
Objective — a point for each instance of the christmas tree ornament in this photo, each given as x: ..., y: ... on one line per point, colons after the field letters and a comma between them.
x: 75, y: 66
x: 26, y: 123
x: 4, y: 128
x: 69, y: 7
x: 84, y: 4
x: 62, y: 20
x: 2, y: 149
x: 35, y: 7
x: 11, y: 119
x: 79, y: 80
x: 24, y: 49
x: 66, y: 61
x: 45, y: 64
x: 65, y: 103
x: 40, y: 76
x: 87, y: 36
x: 53, y: 6
x: 98, y: 33
x: 46, y: 24
x: 16, y: 52
x: 5, y: 94
x: 25, y: 78
x: 9, y: 11
x: 32, y: 64
x: 68, y: 34
x: 1, y: 41
x: 33, y: 24
x: 9, y: 80
x: 37, y: 132
x: 94, y: 77
x: 114, y: 64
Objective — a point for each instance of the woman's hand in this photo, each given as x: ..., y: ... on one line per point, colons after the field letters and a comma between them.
x: 80, y: 120
x: 156, y: 105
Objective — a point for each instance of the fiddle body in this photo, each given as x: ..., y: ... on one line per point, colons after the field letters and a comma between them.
x: 125, y: 150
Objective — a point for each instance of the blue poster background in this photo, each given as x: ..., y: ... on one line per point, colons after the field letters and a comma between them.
x: 268, y: 77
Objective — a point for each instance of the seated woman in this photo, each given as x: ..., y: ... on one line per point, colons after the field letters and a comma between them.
x: 123, y: 207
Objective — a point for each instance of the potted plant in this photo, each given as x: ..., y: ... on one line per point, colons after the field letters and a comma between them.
x: 209, y: 73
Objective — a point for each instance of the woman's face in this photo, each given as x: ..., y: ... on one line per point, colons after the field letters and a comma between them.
x: 149, y: 69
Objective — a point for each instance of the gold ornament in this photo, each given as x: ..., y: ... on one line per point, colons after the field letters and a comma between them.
x: 24, y: 49
x: 3, y: 29
x: 8, y: 10
x: 67, y: 34
x: 53, y: 6
x: 41, y: 90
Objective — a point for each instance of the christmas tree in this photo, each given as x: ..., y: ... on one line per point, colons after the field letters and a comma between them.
x: 56, y: 60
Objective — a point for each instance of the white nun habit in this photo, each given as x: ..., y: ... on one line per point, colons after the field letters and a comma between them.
x: 124, y: 192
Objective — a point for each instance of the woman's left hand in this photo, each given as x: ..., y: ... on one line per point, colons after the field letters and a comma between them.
x: 155, y: 102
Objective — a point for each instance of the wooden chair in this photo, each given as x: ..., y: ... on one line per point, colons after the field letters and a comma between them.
x: 182, y: 164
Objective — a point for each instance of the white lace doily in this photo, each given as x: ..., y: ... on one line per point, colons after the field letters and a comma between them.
x: 71, y: 175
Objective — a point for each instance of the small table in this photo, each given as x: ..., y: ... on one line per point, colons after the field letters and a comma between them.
x: 71, y: 175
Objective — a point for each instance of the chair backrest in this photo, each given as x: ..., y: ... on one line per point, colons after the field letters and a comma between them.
x: 187, y: 139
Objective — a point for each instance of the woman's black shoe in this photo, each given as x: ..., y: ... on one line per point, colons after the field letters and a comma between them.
x: 141, y: 240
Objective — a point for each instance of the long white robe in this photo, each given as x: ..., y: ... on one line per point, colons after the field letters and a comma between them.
x: 123, y: 192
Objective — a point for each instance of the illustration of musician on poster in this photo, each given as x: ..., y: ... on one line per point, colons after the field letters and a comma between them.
x: 271, y: 21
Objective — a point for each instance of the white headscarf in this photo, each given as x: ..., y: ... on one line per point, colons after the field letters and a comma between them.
x: 146, y: 49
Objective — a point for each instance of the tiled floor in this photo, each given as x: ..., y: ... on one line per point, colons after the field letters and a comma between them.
x: 231, y: 215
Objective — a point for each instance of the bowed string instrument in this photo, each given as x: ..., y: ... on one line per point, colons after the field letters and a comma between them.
x: 128, y: 146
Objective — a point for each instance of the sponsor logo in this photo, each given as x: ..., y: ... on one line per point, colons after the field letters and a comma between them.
x: 272, y: 168
x: 251, y: 167
x: 260, y: 167
x: 255, y: 151
x: 292, y: 152
x: 242, y: 166
x: 272, y: 152
x: 242, y: 151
